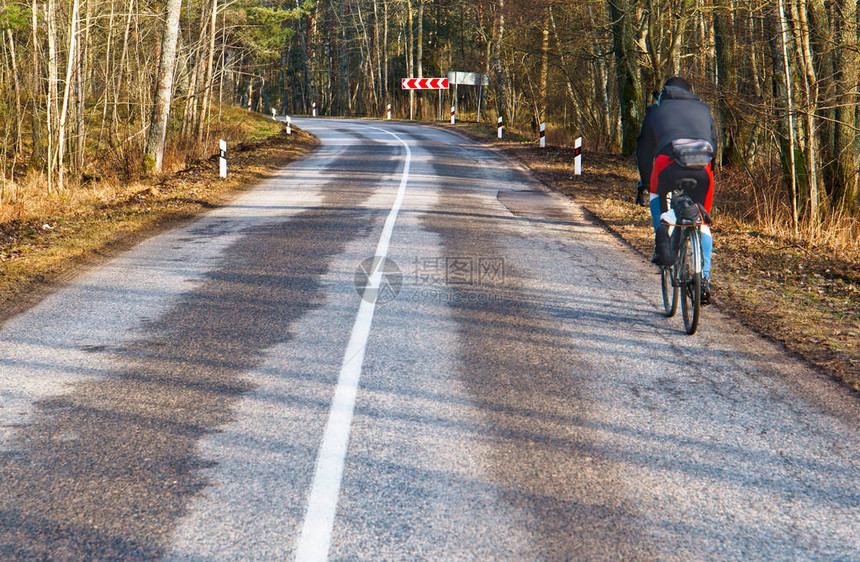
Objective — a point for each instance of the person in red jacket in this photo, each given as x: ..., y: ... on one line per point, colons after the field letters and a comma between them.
x: 678, y: 116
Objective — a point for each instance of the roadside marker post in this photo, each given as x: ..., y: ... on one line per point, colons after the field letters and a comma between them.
x: 274, y: 112
x: 289, y: 125
x: 389, y: 112
x: 543, y: 135
x: 453, y: 114
x: 222, y: 158
x: 577, y: 157
x: 500, y: 127
x: 314, y: 106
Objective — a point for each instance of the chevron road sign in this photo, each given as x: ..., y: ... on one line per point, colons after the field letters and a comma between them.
x: 425, y: 83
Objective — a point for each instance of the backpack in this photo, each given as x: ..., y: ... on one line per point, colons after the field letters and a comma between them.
x: 686, y: 210
x: 692, y: 153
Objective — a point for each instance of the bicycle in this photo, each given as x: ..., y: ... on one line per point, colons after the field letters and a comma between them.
x: 684, y: 276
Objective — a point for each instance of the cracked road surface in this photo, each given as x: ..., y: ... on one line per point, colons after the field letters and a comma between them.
x: 256, y: 386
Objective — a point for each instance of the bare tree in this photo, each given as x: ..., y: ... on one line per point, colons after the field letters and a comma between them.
x: 161, y: 110
x: 846, y: 189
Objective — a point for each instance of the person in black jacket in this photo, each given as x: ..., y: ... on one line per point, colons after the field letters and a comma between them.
x: 678, y: 114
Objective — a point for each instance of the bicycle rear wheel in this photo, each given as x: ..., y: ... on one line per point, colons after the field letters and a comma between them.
x: 690, y: 274
x: 670, y: 291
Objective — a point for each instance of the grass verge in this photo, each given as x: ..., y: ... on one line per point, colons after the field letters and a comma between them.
x: 43, y: 244
x: 807, y: 298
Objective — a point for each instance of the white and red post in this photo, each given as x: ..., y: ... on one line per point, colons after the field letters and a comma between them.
x: 222, y: 158
x: 543, y: 135
x: 500, y: 126
x: 289, y: 125
x: 389, y: 112
x: 314, y: 108
x: 577, y: 157
x: 453, y: 114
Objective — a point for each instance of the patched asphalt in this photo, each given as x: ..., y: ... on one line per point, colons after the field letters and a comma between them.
x: 522, y: 397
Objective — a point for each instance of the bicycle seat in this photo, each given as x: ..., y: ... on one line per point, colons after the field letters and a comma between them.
x: 685, y: 186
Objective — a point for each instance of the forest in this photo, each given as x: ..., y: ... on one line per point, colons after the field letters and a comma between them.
x: 95, y: 88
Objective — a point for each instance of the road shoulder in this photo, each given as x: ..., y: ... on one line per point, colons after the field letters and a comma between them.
x: 807, y: 303
x: 37, y: 256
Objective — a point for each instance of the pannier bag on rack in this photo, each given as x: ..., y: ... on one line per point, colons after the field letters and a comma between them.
x: 692, y: 153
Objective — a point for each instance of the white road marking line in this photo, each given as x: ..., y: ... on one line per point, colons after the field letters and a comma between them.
x: 315, y: 538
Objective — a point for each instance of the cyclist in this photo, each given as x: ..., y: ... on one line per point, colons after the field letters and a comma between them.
x: 678, y: 116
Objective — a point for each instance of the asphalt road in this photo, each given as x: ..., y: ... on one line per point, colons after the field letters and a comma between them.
x: 503, y: 386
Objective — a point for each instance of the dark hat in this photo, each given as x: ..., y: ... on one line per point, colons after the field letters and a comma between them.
x: 678, y: 82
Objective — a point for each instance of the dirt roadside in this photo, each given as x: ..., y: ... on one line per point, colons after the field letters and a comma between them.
x: 807, y: 300
x: 38, y: 255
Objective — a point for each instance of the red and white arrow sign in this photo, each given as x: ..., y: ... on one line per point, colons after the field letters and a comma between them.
x: 425, y: 83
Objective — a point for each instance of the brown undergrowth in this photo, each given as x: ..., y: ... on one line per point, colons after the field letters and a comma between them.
x: 44, y: 242
x: 805, y: 296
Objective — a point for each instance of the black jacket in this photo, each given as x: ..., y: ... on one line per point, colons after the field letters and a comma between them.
x: 679, y: 115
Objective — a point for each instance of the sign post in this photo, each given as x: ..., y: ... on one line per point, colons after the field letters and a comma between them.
x: 469, y: 79
x: 222, y: 158
x: 439, y: 115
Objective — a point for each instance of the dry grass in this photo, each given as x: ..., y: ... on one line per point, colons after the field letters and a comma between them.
x: 44, y: 237
x: 757, y: 202
x: 801, y: 291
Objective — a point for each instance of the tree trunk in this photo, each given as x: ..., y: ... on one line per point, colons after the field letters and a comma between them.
x: 500, y: 78
x: 71, y: 63
x: 410, y: 56
x: 847, y: 75
x: 811, y: 197
x: 37, y: 157
x: 821, y: 34
x: 80, y: 129
x: 207, y: 80
x: 108, y: 86
x: 625, y: 69
x: 52, y: 114
x: 783, y: 31
x: 190, y: 117
x: 571, y: 96
x: 420, y: 56
x: 385, y: 54
x: 544, y: 67
x: 155, y: 141
x: 377, y: 57
x: 368, y: 55
x: 17, y: 89
x: 123, y: 68
x: 727, y: 78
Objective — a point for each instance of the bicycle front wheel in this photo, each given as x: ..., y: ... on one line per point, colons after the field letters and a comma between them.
x: 670, y: 291
x: 690, y: 274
